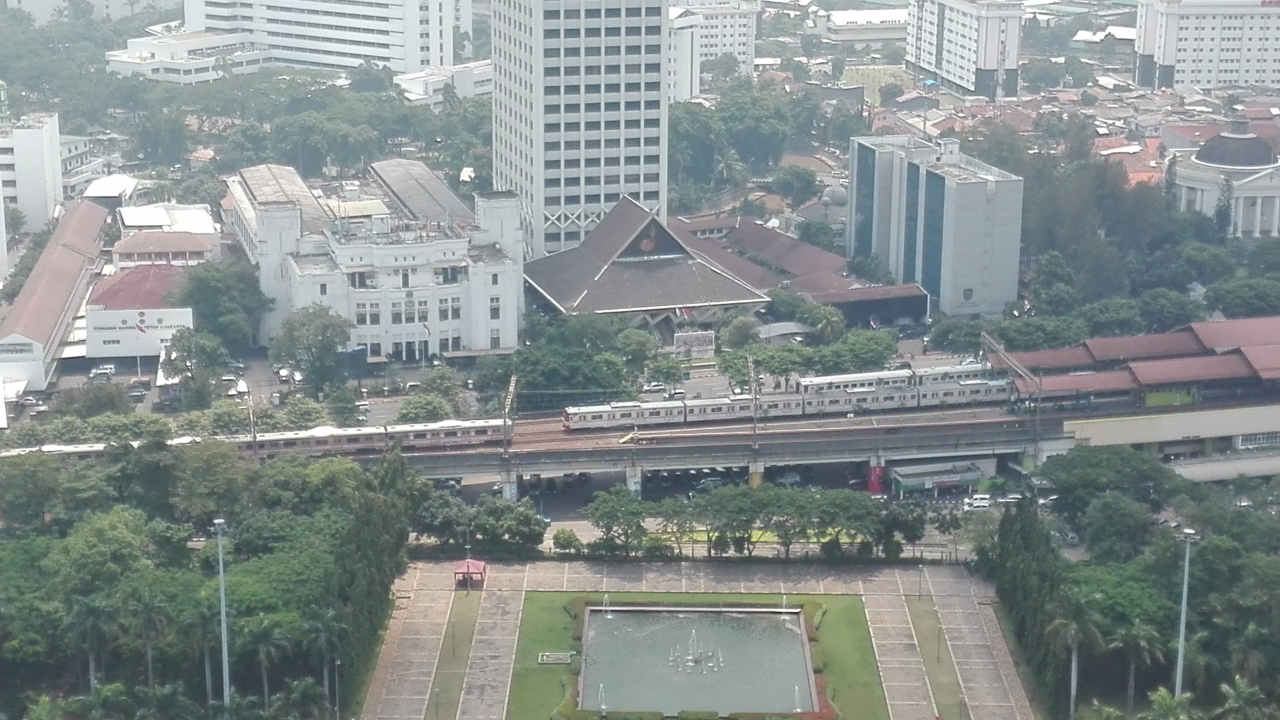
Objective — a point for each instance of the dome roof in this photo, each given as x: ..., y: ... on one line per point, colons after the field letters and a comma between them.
x: 1237, y: 148
x: 835, y: 195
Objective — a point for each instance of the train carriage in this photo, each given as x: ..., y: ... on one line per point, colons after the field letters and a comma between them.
x: 855, y: 381
x: 446, y: 433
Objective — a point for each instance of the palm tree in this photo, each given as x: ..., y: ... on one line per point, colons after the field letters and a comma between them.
x: 1247, y: 656
x: 1105, y: 712
x: 90, y: 626
x: 1140, y: 643
x: 45, y: 708
x: 201, y: 629
x: 164, y: 703
x: 1164, y: 706
x: 104, y: 702
x: 264, y: 637
x: 1197, y: 663
x: 1241, y: 700
x: 150, y: 619
x: 301, y: 698
x: 322, y: 638
x: 1075, y: 625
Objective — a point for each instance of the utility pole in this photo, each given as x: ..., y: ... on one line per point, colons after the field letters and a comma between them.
x: 992, y: 347
x: 755, y: 401
x: 508, y: 431
x: 219, y: 527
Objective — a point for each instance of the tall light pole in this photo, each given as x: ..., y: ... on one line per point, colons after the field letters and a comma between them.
x: 220, y: 527
x: 337, y: 688
x: 1188, y: 537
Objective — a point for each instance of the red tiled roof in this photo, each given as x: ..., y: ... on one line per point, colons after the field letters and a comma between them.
x: 1194, y: 369
x: 758, y: 277
x: 1245, y: 332
x: 1057, y: 385
x: 826, y: 288
x: 56, y: 283
x: 1062, y: 358
x: 1265, y: 360
x: 782, y: 251
x: 1141, y: 347
x: 145, y: 287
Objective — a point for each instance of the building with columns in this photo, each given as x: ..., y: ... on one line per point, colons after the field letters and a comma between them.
x: 1241, y: 161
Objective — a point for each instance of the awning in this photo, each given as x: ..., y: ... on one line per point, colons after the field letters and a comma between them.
x: 73, y: 351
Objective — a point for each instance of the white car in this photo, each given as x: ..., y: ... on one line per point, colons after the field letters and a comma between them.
x: 978, y: 498
x: 30, y: 401
x: 1010, y: 499
x: 654, y: 387
x: 977, y: 505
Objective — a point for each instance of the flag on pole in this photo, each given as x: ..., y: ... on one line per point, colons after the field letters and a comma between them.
x: 141, y: 329
x: 427, y: 328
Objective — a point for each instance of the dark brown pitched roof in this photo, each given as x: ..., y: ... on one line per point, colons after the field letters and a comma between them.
x: 1191, y: 370
x: 1060, y: 385
x: 162, y: 241
x: 1264, y: 360
x: 782, y: 251
x: 757, y: 276
x: 630, y: 261
x: 1246, y: 332
x: 1139, y: 347
x: 1062, y: 358
x: 57, y: 283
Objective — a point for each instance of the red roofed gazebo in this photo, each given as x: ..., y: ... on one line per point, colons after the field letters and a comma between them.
x: 469, y: 571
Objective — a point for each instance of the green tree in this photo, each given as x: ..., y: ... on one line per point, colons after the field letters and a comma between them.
x: 15, y: 221
x: 739, y: 333
x: 1242, y: 700
x: 194, y: 350
x: 368, y: 77
x: 225, y: 301
x: 797, y: 184
x: 1141, y: 645
x: 424, y: 408
x: 149, y: 617
x: 619, y: 516
x: 826, y: 321
x: 1116, y: 528
x: 91, y: 627
x: 889, y: 92
x: 341, y: 405
x: 91, y: 400
x: 1112, y: 317
x: 322, y: 637
x: 637, y: 347
x: 1075, y: 626
x: 722, y: 67
x: 665, y: 369
x: 785, y: 305
x: 200, y: 629
x: 1163, y: 310
x: 565, y: 540
x: 314, y: 340
x: 444, y: 382
x: 819, y: 234
x: 1164, y: 706
x: 264, y: 638
x: 1086, y: 472
x: 1244, y: 297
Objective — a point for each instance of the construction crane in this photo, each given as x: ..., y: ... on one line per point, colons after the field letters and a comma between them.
x: 992, y: 347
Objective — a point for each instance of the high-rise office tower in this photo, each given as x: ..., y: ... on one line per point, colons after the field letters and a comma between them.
x: 579, y: 111
x: 970, y: 46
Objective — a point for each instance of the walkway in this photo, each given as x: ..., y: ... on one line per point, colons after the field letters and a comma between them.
x: 402, y: 680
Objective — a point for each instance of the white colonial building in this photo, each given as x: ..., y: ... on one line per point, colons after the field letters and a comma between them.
x: 413, y: 268
x: 188, y: 58
x: 1241, y: 162
x: 129, y: 314
x: 426, y: 87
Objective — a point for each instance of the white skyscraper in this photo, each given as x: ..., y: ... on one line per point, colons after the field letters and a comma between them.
x: 969, y: 46
x: 579, y: 111
x: 404, y: 35
x: 1208, y: 43
x: 31, y: 166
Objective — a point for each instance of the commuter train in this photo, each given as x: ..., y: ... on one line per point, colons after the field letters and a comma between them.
x: 321, y: 440
x: 956, y: 385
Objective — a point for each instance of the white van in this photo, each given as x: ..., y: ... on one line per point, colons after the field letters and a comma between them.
x: 977, y: 499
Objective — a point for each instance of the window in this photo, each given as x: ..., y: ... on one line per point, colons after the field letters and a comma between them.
x: 455, y: 308
x: 324, y: 289
x: 375, y: 349
x: 409, y: 316
x: 493, y: 279
x: 397, y: 313
x: 110, y: 342
x: 495, y: 339
x: 444, y: 345
x: 362, y: 314
x: 375, y: 316
x: 404, y: 278
x: 455, y: 343
x: 444, y: 310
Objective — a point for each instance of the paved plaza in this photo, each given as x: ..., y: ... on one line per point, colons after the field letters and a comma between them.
x: 402, y: 680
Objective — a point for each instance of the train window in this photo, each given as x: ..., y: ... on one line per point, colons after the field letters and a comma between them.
x: 451, y: 433
x: 947, y: 394
x: 772, y: 406
x: 888, y: 398
x: 596, y: 417
x: 318, y: 443
x: 481, y: 431
x: 353, y: 440
x: 624, y: 415
x: 861, y: 400
x: 716, y: 409
x: 290, y: 443
x: 655, y: 413
x: 419, y: 436
x: 976, y: 392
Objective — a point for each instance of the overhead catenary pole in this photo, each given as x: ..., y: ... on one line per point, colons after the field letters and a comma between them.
x: 993, y: 347
x: 1188, y: 537
x: 508, y: 431
x: 219, y: 527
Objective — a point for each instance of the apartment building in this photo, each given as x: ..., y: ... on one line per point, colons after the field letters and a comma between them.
x: 728, y: 27
x: 937, y: 217
x: 969, y: 46
x: 416, y: 272
x: 1207, y: 43
x: 31, y: 166
x: 684, y: 60
x: 579, y: 111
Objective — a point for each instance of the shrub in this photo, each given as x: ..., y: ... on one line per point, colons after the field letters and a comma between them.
x: 817, y: 658
x: 565, y: 540
x: 697, y: 715
x: 656, y: 547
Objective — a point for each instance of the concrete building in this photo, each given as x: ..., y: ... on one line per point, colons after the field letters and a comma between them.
x: 728, y: 27
x: 189, y: 58
x: 404, y: 259
x: 579, y: 112
x: 31, y: 167
x: 160, y: 247
x: 129, y: 314
x: 426, y: 87
x: 969, y: 46
x: 1249, y: 164
x: 1207, y: 43
x: 937, y: 217
x: 80, y: 166
x: 684, y: 59
x: 860, y: 27
x: 42, y: 11
x: 403, y: 35
x: 43, y: 313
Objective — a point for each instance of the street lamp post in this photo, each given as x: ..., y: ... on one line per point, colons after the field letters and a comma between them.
x: 220, y: 527
x: 337, y: 688
x: 1188, y: 537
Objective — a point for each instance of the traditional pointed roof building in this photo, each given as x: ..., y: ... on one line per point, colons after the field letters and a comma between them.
x: 631, y: 264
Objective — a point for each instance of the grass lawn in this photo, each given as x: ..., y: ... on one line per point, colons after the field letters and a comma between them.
x: 455, y: 649
x: 938, y: 665
x: 853, y: 681
x: 875, y: 76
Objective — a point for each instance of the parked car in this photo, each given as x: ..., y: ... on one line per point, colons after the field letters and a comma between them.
x: 30, y: 401
x: 978, y: 498
x: 654, y: 387
x: 977, y: 505
x: 106, y: 369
